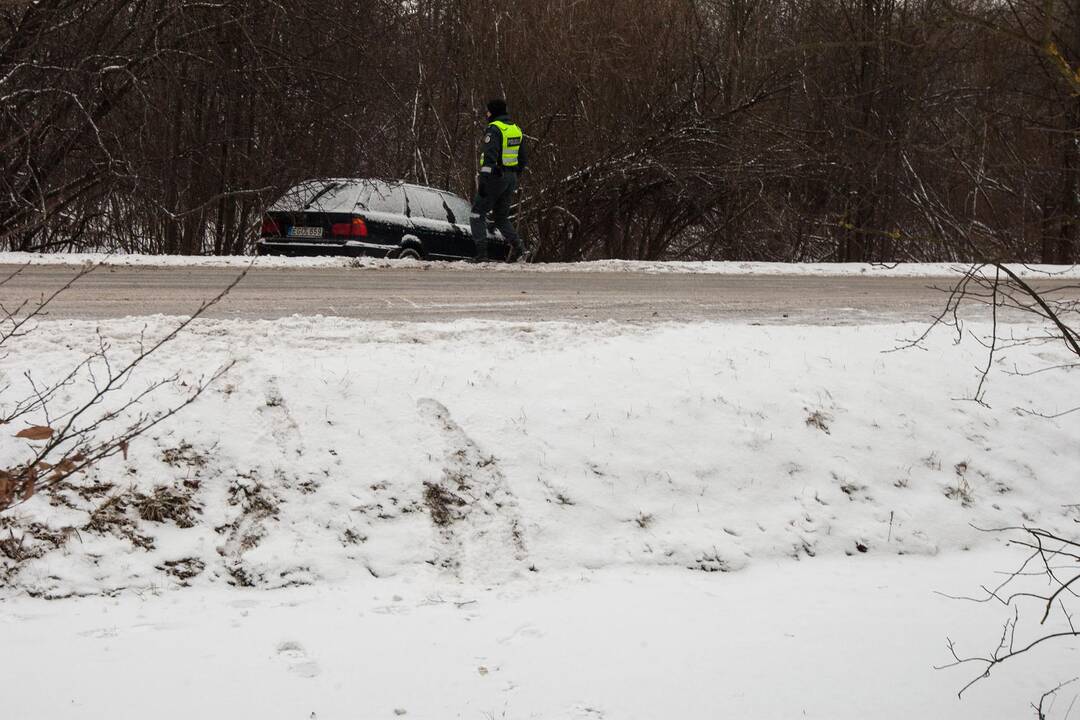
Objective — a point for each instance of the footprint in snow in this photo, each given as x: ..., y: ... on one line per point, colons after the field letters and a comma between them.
x: 100, y: 633
x: 522, y: 633
x: 298, y: 661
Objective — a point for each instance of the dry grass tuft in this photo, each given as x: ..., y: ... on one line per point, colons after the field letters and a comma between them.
x: 184, y: 569
x: 821, y: 420
x: 112, y: 518
x: 442, y: 504
x: 166, y: 503
x: 184, y: 456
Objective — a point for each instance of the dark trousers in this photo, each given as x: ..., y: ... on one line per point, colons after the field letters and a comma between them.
x: 494, y: 194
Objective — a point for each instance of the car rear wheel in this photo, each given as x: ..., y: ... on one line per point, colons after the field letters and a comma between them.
x: 409, y: 253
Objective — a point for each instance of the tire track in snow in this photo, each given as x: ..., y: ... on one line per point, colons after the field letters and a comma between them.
x: 472, y: 507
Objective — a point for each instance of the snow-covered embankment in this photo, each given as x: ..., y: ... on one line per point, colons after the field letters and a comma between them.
x: 485, y: 451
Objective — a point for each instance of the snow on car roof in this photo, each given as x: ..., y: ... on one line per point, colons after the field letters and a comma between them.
x: 339, y: 194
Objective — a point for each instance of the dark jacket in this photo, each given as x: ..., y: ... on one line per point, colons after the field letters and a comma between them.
x: 491, y: 150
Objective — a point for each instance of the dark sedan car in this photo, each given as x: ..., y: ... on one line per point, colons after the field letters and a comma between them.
x: 347, y: 216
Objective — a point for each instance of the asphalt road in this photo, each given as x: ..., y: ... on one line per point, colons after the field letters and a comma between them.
x: 419, y: 294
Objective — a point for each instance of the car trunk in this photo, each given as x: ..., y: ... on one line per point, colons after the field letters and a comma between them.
x: 309, y: 227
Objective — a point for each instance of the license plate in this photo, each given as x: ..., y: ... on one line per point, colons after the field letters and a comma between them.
x: 306, y: 232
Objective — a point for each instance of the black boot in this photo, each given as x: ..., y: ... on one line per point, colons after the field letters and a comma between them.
x: 481, y: 252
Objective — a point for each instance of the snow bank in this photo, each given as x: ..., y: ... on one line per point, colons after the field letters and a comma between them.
x: 480, y: 452
x: 716, y: 268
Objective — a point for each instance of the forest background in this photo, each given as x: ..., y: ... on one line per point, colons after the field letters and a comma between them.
x: 782, y: 130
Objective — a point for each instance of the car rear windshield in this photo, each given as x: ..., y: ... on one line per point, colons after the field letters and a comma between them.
x: 336, y: 197
x: 344, y: 196
x: 319, y: 196
x: 296, y: 198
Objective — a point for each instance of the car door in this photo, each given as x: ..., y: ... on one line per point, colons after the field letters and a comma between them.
x: 384, y: 207
x: 431, y: 222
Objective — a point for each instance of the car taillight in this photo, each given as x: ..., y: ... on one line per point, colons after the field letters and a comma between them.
x: 356, y: 228
x: 270, y: 228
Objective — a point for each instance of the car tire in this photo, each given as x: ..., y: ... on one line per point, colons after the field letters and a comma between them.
x: 409, y: 253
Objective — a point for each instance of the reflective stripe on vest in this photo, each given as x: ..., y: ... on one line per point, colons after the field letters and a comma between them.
x: 511, y: 142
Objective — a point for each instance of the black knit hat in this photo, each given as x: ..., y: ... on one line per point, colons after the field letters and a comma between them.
x: 496, y: 107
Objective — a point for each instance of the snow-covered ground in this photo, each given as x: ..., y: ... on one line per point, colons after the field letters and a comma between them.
x: 833, y: 639
x: 550, y: 520
x: 1060, y: 272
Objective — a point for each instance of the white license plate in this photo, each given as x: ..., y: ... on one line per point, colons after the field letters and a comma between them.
x: 306, y: 232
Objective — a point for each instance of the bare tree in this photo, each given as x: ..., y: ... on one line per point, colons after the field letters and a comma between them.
x: 67, y: 437
x: 730, y: 129
x: 1044, y: 589
x: 1042, y: 593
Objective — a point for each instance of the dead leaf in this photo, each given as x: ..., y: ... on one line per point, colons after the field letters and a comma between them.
x: 36, y: 432
x: 124, y: 448
x: 28, y: 490
x: 62, y: 469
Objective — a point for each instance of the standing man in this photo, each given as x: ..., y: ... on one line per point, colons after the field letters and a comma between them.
x: 502, y: 159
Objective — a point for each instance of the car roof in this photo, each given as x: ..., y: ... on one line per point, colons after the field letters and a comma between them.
x: 341, y: 194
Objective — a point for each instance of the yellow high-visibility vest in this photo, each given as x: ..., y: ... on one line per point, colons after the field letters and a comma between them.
x: 511, y: 143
